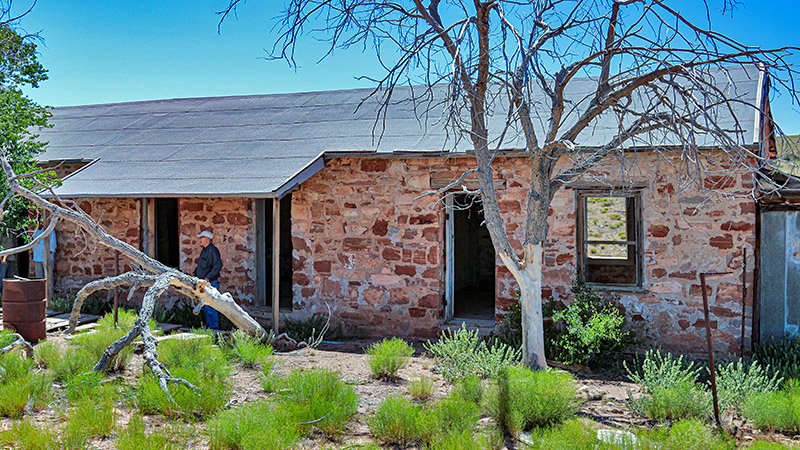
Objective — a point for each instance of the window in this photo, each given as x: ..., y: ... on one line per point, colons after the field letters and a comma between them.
x: 609, y: 238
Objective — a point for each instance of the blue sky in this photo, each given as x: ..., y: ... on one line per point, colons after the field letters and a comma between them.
x: 124, y: 50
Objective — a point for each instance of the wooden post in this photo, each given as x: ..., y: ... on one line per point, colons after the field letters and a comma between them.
x: 116, y: 261
x: 48, y: 269
x: 276, y: 267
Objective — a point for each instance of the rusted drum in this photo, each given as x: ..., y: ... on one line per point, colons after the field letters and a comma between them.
x: 24, y: 308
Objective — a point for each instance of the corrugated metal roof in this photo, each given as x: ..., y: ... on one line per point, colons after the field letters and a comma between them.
x: 258, y: 145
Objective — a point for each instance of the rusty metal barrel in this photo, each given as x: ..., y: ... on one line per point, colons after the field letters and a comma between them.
x: 24, y: 308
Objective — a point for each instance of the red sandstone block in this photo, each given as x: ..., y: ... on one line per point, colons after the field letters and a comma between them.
x: 416, y: 312
x: 736, y: 226
x: 423, y: 219
x: 374, y: 165
x: 658, y: 231
x: 691, y: 275
x: 355, y: 244
x: 659, y: 272
x: 380, y: 227
x: 405, y: 270
x: 722, y: 242
x: 391, y: 254
x: 323, y: 267
x: 429, y: 301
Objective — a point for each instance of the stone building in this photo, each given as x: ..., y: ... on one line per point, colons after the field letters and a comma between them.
x: 317, y: 180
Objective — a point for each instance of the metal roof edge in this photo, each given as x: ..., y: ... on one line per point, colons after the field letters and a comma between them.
x: 309, y: 170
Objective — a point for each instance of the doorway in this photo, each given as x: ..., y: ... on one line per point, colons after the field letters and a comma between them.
x: 470, y: 260
x: 265, y: 236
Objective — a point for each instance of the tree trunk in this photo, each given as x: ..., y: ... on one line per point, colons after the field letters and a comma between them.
x: 529, y: 279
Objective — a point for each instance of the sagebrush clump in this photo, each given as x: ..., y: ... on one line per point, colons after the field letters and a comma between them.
x: 388, y: 356
x: 670, y: 388
x: 462, y: 353
x: 520, y: 399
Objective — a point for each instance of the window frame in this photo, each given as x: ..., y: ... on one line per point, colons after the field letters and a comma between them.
x: 583, y: 241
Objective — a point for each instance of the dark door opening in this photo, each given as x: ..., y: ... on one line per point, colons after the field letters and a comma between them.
x: 166, y: 231
x: 285, y: 252
x: 473, y: 260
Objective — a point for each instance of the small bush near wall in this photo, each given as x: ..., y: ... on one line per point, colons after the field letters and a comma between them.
x: 590, y: 331
x: 778, y: 411
x: 783, y: 357
x: 670, y: 388
x: 462, y: 353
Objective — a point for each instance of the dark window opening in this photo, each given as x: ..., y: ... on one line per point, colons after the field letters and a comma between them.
x: 473, y: 260
x: 609, y: 234
x: 285, y: 252
x: 166, y: 231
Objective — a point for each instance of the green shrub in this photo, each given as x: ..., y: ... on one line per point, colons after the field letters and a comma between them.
x: 510, y: 329
x: 24, y: 435
x: 395, y: 421
x: 781, y: 356
x: 88, y: 419
x: 682, y: 401
x: 247, y: 349
x: 388, y: 356
x: 135, y: 438
x: 469, y: 388
x: 198, y: 354
x: 589, y: 331
x: 462, y: 352
x: 88, y: 385
x: 670, y: 388
x: 452, y: 414
x: 306, y: 330
x: 64, y: 362
x: 20, y: 386
x: 211, y: 395
x: 421, y: 388
x: 778, y: 410
x: 764, y: 445
x: 6, y: 337
x: 468, y: 440
x: 262, y: 424
x: 96, y: 340
x: 571, y: 435
x: 690, y: 434
x: 662, y: 371
x: 198, y: 362
x: 736, y: 380
x: 520, y: 399
x: 319, y: 396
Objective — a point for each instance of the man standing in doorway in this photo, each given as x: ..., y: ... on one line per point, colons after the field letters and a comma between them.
x: 208, y: 267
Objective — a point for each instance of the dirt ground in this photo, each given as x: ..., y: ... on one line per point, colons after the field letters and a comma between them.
x: 603, y: 396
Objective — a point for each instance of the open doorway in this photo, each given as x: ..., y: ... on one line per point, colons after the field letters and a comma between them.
x: 265, y: 238
x: 471, y: 256
x: 166, y: 232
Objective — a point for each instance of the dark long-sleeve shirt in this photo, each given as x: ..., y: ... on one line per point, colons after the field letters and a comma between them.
x: 209, y: 264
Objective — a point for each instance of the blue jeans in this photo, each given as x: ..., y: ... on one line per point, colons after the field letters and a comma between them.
x: 212, y: 316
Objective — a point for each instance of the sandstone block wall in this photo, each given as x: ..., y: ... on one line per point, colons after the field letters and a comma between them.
x: 364, y: 244
x: 230, y: 219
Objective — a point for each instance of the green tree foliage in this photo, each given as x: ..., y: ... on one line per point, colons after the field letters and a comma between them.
x: 20, y: 116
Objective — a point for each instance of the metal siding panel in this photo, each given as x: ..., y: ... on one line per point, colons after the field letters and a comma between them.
x: 773, y: 275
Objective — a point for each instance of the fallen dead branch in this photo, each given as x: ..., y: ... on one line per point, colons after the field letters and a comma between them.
x: 153, y: 275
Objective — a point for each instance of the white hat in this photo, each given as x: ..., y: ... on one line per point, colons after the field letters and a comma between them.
x: 207, y: 234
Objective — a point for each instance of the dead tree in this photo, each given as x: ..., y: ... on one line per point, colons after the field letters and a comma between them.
x: 153, y: 276
x: 659, y: 74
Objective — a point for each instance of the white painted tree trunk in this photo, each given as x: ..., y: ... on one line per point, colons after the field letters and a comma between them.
x: 529, y: 278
